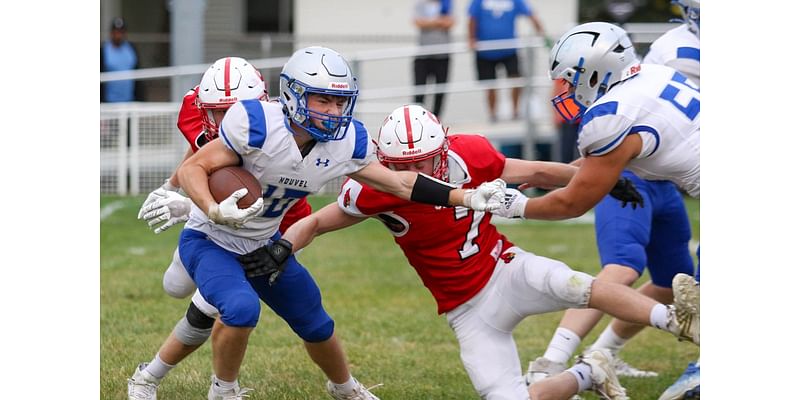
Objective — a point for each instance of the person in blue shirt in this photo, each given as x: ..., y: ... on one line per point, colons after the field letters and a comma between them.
x: 118, y: 54
x: 494, y: 20
x: 434, y: 19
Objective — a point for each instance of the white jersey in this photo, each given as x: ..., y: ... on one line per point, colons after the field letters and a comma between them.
x: 678, y: 48
x: 257, y: 132
x: 663, y: 107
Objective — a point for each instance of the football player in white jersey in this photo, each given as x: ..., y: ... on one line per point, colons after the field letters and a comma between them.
x: 235, y: 255
x: 679, y: 47
x: 486, y: 285
x: 641, y: 117
x: 629, y: 240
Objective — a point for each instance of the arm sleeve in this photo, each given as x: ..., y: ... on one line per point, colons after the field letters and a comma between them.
x: 244, y: 127
x: 602, y: 130
x: 362, y: 201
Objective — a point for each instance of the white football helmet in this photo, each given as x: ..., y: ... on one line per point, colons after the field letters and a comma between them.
x: 227, y: 81
x: 318, y: 70
x: 411, y: 134
x: 690, y: 10
x: 592, y: 58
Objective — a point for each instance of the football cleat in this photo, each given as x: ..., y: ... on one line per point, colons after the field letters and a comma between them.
x: 142, y: 385
x: 684, y: 322
x: 359, y: 392
x: 217, y: 393
x: 542, y: 368
x: 604, y: 379
x: 621, y: 368
x: 687, y: 387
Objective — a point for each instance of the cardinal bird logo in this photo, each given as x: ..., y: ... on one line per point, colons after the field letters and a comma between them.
x: 507, y: 257
x: 346, y: 199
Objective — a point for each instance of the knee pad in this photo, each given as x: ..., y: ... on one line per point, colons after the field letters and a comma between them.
x: 204, y: 306
x: 240, y: 309
x: 197, y: 318
x: 568, y: 285
x: 191, y: 335
x: 177, y: 282
x: 318, y: 333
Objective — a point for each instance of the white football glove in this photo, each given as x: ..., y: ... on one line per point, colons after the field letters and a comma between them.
x: 157, y: 194
x: 168, y: 206
x: 486, y: 197
x: 513, y: 205
x: 228, y: 213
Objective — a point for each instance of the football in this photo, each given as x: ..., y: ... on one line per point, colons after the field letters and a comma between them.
x: 224, y: 181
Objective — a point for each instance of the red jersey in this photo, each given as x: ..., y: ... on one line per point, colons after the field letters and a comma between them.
x: 453, y: 249
x: 190, y: 123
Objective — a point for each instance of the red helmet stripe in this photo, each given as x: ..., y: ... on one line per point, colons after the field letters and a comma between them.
x: 409, y: 134
x: 228, y: 77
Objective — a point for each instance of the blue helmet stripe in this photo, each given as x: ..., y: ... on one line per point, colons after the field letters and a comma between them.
x: 689, y: 52
x: 362, y: 140
x: 257, y: 122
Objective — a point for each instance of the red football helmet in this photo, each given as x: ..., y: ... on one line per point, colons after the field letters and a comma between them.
x: 411, y: 134
x: 227, y: 81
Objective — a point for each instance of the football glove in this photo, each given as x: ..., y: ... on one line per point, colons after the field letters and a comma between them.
x: 513, y: 205
x: 157, y: 194
x: 269, y: 260
x: 169, y: 206
x: 486, y: 197
x: 625, y: 191
x: 229, y: 213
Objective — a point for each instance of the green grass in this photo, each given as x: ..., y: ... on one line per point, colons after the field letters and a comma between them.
x: 385, y: 317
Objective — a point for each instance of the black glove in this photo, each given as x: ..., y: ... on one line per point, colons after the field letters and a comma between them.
x: 268, y: 260
x: 625, y: 191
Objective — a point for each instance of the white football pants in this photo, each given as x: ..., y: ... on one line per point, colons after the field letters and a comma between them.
x: 527, y: 285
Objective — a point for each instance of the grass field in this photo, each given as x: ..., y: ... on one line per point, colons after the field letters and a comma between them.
x: 384, y: 315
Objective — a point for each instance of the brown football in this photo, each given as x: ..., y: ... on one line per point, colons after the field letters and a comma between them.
x: 224, y: 181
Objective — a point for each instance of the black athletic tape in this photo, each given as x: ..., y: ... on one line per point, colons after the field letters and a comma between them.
x: 430, y: 191
x: 197, y: 319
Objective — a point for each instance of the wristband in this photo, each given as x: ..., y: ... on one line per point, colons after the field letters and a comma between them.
x: 431, y: 191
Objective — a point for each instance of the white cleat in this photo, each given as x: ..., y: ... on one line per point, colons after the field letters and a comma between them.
x: 217, y: 393
x: 358, y: 393
x: 685, y: 321
x: 621, y: 368
x: 142, y: 385
x: 604, y: 379
x: 542, y: 368
x: 686, y: 387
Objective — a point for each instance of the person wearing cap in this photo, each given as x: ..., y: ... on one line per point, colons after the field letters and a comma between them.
x: 118, y: 54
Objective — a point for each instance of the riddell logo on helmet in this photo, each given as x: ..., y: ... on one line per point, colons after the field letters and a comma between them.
x: 228, y: 99
x: 411, y: 152
x: 339, y: 85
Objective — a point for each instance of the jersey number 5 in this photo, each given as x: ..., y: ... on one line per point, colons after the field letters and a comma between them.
x: 671, y: 92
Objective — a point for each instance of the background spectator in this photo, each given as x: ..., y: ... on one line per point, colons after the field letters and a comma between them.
x: 494, y: 20
x: 434, y: 20
x: 117, y: 54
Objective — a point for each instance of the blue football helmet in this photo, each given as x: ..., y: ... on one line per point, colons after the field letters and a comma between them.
x: 690, y: 10
x: 318, y: 70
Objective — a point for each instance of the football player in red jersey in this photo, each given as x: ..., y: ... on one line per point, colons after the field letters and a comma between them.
x: 227, y: 81
x: 482, y: 282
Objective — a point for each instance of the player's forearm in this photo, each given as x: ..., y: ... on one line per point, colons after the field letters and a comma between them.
x: 556, y: 205
x: 302, y: 232
x: 541, y: 174
x: 193, y: 178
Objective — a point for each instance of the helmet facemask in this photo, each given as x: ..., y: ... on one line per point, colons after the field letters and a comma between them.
x: 334, y: 127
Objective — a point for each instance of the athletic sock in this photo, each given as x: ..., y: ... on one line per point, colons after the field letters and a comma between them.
x: 609, y: 340
x: 562, y: 346
x: 583, y: 373
x: 158, y: 368
x: 659, y: 316
x: 346, y: 387
x: 225, y: 386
